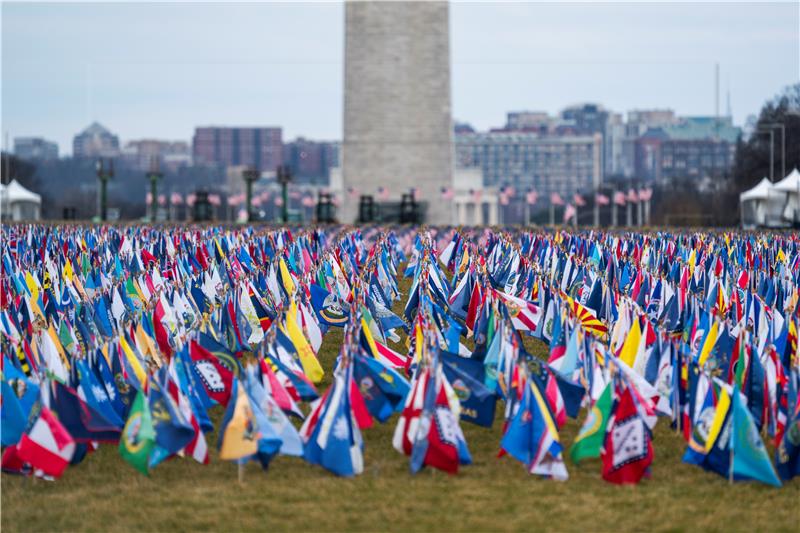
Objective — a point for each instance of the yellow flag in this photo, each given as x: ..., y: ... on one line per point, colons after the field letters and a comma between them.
x: 368, y: 335
x: 239, y: 439
x: 631, y: 345
x: 286, y: 277
x: 133, y: 360
x: 33, y: 287
x: 711, y: 340
x: 420, y: 341
x: 146, y: 345
x: 719, y: 417
x: 68, y: 270
x: 311, y: 365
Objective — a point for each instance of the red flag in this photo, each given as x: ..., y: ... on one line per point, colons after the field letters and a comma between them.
x: 442, y: 450
x: 162, y: 339
x: 360, y: 411
x: 628, y: 451
x: 47, y: 446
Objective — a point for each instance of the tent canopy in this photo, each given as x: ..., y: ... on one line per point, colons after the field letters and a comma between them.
x: 14, y: 192
x: 759, y: 192
x: 790, y: 183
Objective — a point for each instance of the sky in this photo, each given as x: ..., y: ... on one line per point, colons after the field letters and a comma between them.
x: 157, y: 70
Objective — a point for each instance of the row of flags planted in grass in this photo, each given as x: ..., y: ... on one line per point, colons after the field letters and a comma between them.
x: 130, y: 336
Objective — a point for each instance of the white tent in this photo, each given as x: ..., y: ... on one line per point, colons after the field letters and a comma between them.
x: 18, y: 203
x: 791, y: 186
x: 762, y: 205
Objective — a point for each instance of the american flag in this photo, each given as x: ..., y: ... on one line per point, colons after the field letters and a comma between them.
x: 214, y: 200
x: 256, y: 201
x: 176, y: 199
x: 532, y: 196
x: 646, y: 194
x: 579, y: 201
x: 503, y: 199
x: 278, y: 201
x: 190, y: 198
x: 415, y: 193
x: 569, y: 212
x: 148, y: 198
x: 601, y: 199
x: 555, y: 199
x: 632, y: 196
x: 162, y: 199
x: 619, y: 198
x: 510, y: 191
x: 353, y: 192
x: 234, y: 200
x: 476, y: 194
x: 448, y: 193
x: 383, y: 194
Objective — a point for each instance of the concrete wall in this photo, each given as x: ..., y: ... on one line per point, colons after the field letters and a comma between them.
x: 397, y: 118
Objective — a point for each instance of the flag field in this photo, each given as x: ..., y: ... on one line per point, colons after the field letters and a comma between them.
x: 104, y: 493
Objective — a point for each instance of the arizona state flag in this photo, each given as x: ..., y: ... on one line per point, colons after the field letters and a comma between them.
x: 629, y: 450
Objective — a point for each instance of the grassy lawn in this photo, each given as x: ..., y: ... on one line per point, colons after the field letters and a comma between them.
x: 106, y: 494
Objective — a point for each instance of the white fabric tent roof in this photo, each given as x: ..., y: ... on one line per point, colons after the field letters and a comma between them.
x: 14, y: 192
x: 790, y: 183
x: 759, y: 192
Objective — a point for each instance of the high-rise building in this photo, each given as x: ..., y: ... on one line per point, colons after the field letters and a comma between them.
x: 260, y: 148
x: 690, y: 147
x: 35, y: 148
x: 536, y: 121
x: 398, y: 131
x: 95, y: 141
x: 563, y: 164
x: 172, y: 155
x: 311, y: 161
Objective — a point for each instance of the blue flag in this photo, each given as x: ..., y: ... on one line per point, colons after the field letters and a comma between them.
x: 750, y: 458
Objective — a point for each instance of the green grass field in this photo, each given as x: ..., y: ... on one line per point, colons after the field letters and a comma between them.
x: 106, y: 494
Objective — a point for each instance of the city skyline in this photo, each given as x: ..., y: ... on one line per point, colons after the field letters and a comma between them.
x: 525, y: 56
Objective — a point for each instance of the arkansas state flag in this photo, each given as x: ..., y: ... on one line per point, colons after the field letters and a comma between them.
x: 629, y: 450
x: 216, y: 377
x: 47, y: 446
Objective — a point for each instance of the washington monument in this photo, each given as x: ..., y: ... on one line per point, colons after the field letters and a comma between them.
x: 398, y: 130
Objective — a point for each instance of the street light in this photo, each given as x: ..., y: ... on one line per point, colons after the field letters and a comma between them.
x: 250, y: 176
x: 104, y: 175
x: 284, y: 176
x: 771, y: 132
x: 776, y: 125
x: 154, y: 176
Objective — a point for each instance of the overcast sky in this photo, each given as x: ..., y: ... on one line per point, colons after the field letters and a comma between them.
x: 158, y: 70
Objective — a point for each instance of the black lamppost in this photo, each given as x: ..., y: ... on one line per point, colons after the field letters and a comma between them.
x: 284, y: 176
x: 154, y: 176
x: 250, y: 176
x: 104, y: 175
